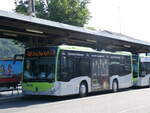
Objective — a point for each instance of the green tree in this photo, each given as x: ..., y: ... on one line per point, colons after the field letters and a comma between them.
x: 8, y: 48
x: 21, y: 6
x: 73, y: 12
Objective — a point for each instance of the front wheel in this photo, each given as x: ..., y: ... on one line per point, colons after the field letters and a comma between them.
x: 83, y: 90
x: 115, y: 86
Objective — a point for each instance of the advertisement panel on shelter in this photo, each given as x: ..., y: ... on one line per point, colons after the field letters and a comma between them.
x: 8, y: 69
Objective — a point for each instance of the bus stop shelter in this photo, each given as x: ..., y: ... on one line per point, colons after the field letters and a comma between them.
x: 39, y: 32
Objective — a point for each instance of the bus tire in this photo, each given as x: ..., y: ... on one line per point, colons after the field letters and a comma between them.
x: 83, y: 89
x: 115, y: 86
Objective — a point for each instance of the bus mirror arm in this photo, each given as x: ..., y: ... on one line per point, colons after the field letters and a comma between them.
x: 20, y: 56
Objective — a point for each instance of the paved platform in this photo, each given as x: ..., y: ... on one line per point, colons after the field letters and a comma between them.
x: 6, y: 96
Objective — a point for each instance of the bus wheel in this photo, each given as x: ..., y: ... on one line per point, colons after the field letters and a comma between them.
x: 115, y: 86
x: 83, y: 89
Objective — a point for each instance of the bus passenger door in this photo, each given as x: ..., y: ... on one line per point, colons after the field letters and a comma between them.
x: 100, y: 77
x: 104, y: 74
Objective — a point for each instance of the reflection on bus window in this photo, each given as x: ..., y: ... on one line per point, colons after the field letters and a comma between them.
x: 40, y: 68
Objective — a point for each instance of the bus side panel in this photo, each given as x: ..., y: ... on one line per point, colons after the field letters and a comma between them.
x: 144, y: 81
x: 121, y: 70
x: 72, y: 87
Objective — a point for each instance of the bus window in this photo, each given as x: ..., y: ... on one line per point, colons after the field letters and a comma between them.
x: 135, y: 61
x: 67, y: 68
x: 95, y: 67
x: 114, y: 66
x: 104, y: 67
x: 120, y: 66
x: 30, y: 68
x: 84, y: 67
x: 142, y: 69
x: 128, y: 65
x: 125, y: 65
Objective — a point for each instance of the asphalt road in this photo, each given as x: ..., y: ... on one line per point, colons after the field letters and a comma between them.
x: 132, y: 101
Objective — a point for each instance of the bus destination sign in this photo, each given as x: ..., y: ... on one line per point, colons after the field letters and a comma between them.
x: 38, y: 53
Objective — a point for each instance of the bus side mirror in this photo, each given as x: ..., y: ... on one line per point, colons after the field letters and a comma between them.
x: 18, y: 56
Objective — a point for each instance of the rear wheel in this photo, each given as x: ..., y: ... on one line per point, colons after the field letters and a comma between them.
x: 83, y: 90
x: 115, y: 86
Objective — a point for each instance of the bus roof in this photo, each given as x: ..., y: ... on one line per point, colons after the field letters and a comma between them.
x: 88, y: 49
x: 76, y: 48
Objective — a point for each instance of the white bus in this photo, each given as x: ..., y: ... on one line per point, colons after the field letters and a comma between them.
x: 68, y: 70
x: 141, y: 70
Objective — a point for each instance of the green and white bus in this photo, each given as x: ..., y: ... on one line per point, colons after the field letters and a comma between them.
x: 141, y: 70
x: 68, y: 70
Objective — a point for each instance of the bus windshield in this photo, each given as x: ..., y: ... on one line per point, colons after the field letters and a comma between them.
x: 39, y: 69
x: 145, y: 68
x: 39, y: 64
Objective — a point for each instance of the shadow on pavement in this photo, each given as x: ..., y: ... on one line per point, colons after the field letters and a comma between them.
x: 35, y: 100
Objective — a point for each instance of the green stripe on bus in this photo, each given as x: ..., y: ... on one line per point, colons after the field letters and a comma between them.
x: 134, y: 79
x: 37, y: 86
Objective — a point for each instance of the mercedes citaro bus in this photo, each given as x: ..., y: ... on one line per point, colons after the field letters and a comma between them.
x: 67, y: 70
x: 141, y: 70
